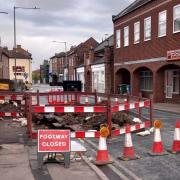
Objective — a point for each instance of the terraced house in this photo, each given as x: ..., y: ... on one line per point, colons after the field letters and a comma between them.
x: 147, y: 49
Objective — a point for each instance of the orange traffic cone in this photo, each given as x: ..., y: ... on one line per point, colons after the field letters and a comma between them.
x: 128, y: 151
x: 176, y: 143
x: 102, y: 157
x: 157, y: 148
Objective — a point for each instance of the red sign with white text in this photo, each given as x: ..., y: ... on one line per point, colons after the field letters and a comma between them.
x: 54, y: 140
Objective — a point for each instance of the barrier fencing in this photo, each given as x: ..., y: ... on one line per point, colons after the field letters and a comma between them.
x: 78, y: 102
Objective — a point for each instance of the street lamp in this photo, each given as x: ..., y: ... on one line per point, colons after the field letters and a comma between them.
x: 18, y: 7
x: 65, y: 44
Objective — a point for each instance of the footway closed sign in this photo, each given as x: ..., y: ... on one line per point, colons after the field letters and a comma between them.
x: 53, y: 141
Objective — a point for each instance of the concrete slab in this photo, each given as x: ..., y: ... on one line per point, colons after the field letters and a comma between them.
x: 78, y: 170
x: 14, y: 162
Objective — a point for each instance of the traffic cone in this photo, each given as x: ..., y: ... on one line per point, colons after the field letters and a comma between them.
x: 157, y: 147
x: 102, y: 157
x: 176, y: 143
x: 128, y: 151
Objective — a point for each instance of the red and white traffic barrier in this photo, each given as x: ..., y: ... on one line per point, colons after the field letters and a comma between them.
x: 69, y: 109
x: 176, y: 142
x: 86, y: 100
x: 96, y: 134
x: 13, y: 97
x: 116, y: 102
x: 9, y: 114
x: 128, y: 106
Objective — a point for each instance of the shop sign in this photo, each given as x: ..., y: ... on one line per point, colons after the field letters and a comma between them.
x: 173, y: 55
x: 54, y: 141
x: 4, y: 86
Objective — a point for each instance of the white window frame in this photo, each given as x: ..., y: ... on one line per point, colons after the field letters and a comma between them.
x: 146, y: 19
x: 145, y: 76
x: 118, y: 38
x: 126, y: 36
x: 137, y: 32
x: 174, y: 18
x: 161, y: 23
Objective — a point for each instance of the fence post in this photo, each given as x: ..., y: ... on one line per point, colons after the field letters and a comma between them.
x: 109, y: 114
x: 140, y: 109
x: 25, y: 105
x: 151, y: 110
x: 29, y: 115
x: 95, y: 96
x: 38, y: 97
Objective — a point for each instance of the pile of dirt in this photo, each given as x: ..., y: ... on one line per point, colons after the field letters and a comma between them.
x: 80, y: 121
x: 9, y: 107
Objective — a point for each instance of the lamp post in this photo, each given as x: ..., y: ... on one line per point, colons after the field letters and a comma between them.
x: 65, y: 45
x: 18, y: 7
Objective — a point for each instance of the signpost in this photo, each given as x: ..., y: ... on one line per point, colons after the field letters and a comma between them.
x: 54, y: 141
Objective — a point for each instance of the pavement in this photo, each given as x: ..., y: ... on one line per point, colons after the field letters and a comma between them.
x: 18, y: 159
x: 173, y: 108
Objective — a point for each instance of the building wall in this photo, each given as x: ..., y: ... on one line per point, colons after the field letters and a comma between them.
x: 26, y: 63
x: 157, y: 46
x: 147, y: 55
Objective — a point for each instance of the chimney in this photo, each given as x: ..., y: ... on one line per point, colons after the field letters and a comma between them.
x: 18, y: 46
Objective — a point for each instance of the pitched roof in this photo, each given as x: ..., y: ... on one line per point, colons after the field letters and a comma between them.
x: 4, y: 51
x: 19, y: 55
x: 99, y: 61
x: 135, y: 5
x: 59, y: 55
x: 107, y: 42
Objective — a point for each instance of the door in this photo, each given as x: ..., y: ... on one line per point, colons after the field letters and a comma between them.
x: 169, y: 83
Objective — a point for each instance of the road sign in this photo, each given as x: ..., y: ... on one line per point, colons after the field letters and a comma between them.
x: 54, y: 141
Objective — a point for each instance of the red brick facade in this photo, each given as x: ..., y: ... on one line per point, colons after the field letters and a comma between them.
x: 4, y: 64
x: 149, y: 55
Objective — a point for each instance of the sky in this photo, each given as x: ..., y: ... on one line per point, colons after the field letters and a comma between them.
x: 73, y: 21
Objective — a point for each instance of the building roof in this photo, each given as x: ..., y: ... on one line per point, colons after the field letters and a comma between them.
x: 135, y: 5
x: 99, y: 61
x: 4, y: 51
x: 107, y: 42
x: 59, y: 55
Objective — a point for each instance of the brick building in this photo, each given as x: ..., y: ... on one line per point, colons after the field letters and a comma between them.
x: 76, y: 57
x: 145, y: 32
x: 98, y: 67
x: 4, y: 64
x: 57, y: 63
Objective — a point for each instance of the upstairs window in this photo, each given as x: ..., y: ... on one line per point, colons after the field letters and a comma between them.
x: 136, y: 32
x: 176, y: 13
x: 147, y: 29
x: 162, y: 23
x: 126, y: 36
x: 118, y: 38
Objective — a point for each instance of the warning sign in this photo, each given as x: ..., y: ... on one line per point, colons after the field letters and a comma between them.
x: 53, y: 141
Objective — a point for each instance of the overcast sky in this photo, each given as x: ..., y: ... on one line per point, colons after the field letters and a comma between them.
x: 72, y: 21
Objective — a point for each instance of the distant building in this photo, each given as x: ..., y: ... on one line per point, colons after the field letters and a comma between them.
x: 98, y: 67
x: 4, y: 63
x: 147, y: 49
x: 75, y: 59
x: 23, y: 64
x: 56, y: 66
x: 36, y: 76
x: 44, y: 72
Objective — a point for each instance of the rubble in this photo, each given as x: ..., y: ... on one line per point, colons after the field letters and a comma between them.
x: 9, y: 107
x: 80, y: 121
